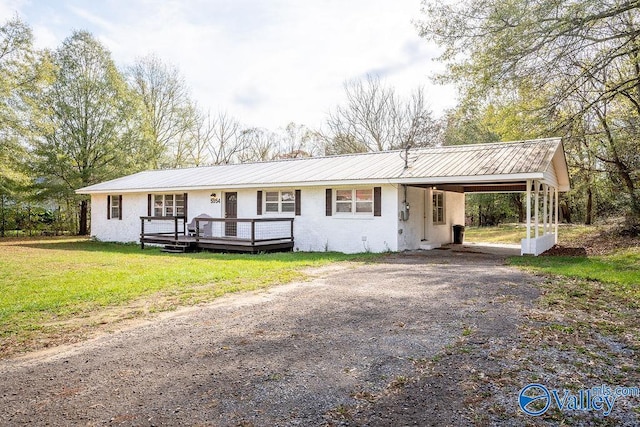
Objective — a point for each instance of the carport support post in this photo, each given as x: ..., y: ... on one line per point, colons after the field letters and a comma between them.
x: 536, y: 194
x: 545, y: 208
x: 528, y: 216
x: 557, y: 217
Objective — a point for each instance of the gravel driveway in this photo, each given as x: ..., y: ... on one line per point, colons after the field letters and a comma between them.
x: 295, y: 354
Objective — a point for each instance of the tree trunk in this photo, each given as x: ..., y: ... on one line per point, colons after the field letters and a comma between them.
x: 83, y: 229
x: 589, y: 210
x: 3, y: 223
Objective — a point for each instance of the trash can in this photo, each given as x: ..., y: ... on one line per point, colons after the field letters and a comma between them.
x: 458, y: 234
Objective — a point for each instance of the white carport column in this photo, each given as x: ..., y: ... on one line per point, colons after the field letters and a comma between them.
x: 545, y: 208
x: 536, y: 195
x: 557, y: 209
x: 528, y: 216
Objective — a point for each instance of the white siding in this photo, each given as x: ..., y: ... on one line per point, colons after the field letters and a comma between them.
x: 115, y: 230
x: 313, y: 230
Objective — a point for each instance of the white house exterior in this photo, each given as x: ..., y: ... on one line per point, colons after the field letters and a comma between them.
x: 385, y: 201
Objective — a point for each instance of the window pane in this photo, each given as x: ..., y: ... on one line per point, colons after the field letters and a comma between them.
x: 272, y: 196
x: 179, y: 201
x: 157, y: 205
x: 271, y: 207
x: 362, y: 195
x: 343, y: 206
x: 288, y: 207
x: 343, y: 195
x: 287, y: 196
x: 364, y: 207
x: 438, y: 208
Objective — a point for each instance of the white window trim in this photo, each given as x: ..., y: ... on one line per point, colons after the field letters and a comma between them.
x: 353, y: 203
x: 444, y: 208
x: 279, y: 202
x: 164, y: 203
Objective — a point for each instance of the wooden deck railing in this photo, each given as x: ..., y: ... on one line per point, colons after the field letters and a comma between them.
x: 162, y: 226
x: 253, y: 230
x: 213, y: 233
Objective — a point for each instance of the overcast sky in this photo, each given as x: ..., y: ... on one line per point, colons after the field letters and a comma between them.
x: 267, y: 62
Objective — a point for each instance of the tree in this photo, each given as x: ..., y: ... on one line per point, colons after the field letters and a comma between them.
x: 21, y: 74
x: 169, y: 115
x: 583, y: 56
x: 88, y: 109
x: 296, y: 141
x: 375, y: 118
x: 258, y: 145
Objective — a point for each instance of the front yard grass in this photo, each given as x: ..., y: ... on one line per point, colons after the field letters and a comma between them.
x: 47, y: 283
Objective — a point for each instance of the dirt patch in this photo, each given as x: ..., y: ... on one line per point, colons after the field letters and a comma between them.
x: 606, y: 239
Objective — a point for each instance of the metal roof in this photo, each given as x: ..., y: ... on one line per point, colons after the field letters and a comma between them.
x: 505, y: 162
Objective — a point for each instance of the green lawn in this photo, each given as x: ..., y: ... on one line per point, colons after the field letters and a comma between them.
x: 620, y: 269
x: 46, y: 282
x: 513, y: 233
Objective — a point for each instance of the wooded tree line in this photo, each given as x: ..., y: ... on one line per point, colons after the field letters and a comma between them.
x: 524, y: 68
x: 71, y: 118
x: 535, y: 68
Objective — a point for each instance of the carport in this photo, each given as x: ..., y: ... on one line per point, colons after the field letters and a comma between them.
x: 536, y: 168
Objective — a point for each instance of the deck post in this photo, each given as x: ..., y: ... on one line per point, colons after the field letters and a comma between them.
x: 253, y: 232
x: 175, y: 228
x: 291, y: 234
x: 141, y: 233
x: 197, y: 231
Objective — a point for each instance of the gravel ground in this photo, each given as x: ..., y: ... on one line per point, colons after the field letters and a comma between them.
x: 355, y: 345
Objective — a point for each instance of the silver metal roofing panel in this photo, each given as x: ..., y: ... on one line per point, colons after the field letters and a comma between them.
x: 498, y: 159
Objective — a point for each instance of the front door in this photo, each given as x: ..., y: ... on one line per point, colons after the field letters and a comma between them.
x: 231, y: 211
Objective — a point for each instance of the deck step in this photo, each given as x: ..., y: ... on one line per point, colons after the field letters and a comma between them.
x: 174, y: 249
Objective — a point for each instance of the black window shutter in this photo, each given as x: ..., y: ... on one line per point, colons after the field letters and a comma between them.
x: 108, y: 207
x: 377, y: 201
x: 120, y: 208
x: 148, y: 204
x: 259, y: 203
x: 328, y: 202
x: 185, y: 206
x: 297, y: 202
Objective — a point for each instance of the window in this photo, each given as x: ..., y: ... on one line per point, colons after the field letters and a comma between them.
x: 115, y: 207
x: 354, y: 201
x: 438, y: 207
x: 168, y: 204
x: 280, y: 201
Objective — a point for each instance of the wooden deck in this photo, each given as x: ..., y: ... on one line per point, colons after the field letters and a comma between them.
x: 250, y: 235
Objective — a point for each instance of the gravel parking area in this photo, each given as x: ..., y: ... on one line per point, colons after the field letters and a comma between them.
x: 296, y: 354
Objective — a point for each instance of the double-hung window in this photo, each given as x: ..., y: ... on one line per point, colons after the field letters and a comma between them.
x: 359, y: 201
x: 280, y: 201
x: 114, y: 206
x: 168, y: 204
x: 438, y: 207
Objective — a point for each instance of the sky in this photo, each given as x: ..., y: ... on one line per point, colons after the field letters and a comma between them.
x: 267, y: 63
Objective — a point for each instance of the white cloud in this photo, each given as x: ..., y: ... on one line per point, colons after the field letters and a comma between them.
x: 268, y: 63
